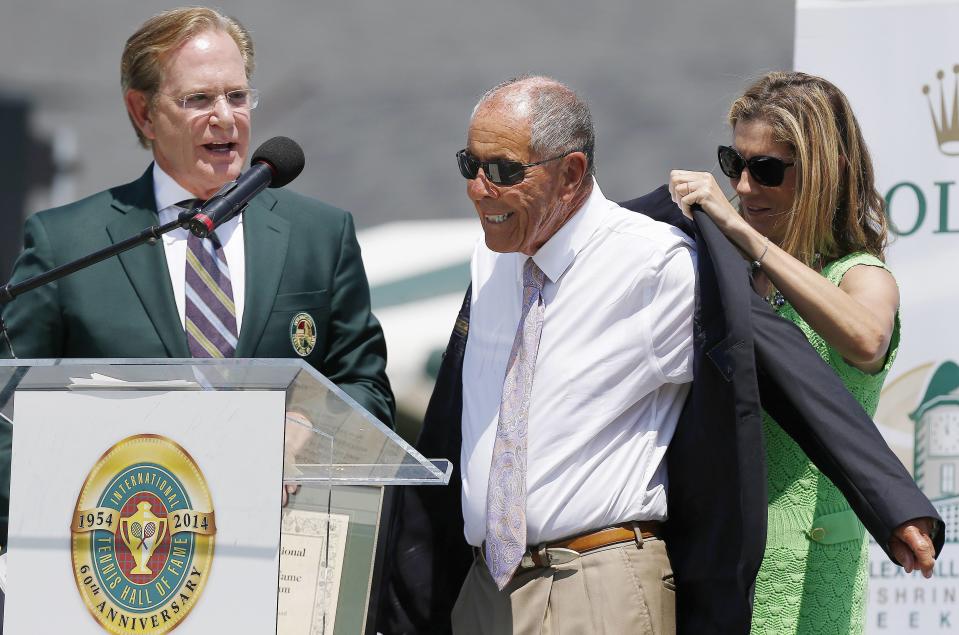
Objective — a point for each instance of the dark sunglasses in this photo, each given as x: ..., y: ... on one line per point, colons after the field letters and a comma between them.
x: 500, y: 171
x: 768, y: 171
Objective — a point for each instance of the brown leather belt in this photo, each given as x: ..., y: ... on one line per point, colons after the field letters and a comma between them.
x: 563, y: 551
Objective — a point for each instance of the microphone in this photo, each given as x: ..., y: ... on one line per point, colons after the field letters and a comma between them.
x: 275, y: 163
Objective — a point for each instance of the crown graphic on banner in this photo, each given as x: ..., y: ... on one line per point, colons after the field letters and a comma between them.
x: 947, y: 121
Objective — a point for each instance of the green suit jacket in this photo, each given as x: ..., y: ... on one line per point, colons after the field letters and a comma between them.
x: 301, y: 255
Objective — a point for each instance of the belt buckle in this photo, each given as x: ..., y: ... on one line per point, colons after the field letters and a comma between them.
x: 559, y: 555
x: 549, y: 556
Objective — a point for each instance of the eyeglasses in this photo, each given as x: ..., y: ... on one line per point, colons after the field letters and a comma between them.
x: 201, y: 103
x: 768, y: 171
x: 500, y: 171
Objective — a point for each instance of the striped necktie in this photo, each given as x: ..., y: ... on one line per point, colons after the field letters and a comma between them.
x: 506, y: 494
x: 210, y: 312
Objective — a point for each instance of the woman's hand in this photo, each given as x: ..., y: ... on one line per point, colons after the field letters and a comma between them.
x: 691, y: 188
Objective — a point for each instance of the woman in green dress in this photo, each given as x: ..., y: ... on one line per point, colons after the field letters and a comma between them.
x: 811, y: 222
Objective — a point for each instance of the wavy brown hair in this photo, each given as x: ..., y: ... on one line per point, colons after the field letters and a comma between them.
x: 837, y: 209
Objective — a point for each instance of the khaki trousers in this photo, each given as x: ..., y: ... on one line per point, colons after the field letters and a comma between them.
x: 620, y: 589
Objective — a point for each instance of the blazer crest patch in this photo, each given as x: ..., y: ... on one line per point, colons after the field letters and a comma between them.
x: 303, y: 334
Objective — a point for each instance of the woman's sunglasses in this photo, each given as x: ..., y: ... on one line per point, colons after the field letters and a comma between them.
x: 500, y: 171
x: 768, y: 171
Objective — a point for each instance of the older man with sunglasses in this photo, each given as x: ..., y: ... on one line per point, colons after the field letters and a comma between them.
x: 562, y: 462
x: 566, y: 379
x: 564, y: 488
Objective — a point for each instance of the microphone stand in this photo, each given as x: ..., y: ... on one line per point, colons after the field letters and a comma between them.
x: 150, y: 235
x: 6, y: 337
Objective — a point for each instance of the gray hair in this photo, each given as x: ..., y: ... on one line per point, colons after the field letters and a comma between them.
x: 559, y: 119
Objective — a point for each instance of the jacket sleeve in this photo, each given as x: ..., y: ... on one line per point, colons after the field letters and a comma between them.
x: 356, y: 355
x: 33, y: 318
x: 805, y: 396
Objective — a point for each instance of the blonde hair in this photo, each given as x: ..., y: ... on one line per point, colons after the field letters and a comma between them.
x: 142, y: 59
x: 836, y: 210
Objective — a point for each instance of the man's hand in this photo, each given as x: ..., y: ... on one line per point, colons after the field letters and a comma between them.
x: 288, y: 490
x: 911, y: 543
x: 299, y: 432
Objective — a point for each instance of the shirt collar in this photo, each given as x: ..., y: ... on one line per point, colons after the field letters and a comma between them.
x: 555, y: 257
x: 168, y: 193
x: 166, y: 190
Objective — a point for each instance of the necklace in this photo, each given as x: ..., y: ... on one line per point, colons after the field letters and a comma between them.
x: 775, y: 297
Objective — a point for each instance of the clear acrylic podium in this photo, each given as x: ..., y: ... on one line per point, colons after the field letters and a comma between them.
x: 336, y: 456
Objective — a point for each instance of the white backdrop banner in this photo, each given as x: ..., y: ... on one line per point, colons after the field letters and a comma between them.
x: 898, y: 62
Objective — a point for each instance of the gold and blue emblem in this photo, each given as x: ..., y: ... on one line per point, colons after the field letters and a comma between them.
x: 303, y: 334
x: 143, y: 536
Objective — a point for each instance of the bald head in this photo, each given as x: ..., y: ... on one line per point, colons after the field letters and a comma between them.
x: 558, y: 119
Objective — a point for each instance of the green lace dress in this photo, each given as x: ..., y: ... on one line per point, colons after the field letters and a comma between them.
x: 813, y: 575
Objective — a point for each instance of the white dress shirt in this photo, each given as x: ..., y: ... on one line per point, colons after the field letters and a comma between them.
x: 168, y: 193
x: 613, y: 370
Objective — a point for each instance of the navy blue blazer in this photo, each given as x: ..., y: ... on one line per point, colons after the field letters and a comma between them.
x: 746, y: 358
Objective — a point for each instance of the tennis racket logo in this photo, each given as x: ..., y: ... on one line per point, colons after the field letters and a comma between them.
x: 142, y: 533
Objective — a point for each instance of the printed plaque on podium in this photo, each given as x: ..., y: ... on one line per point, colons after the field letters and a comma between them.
x: 208, y: 496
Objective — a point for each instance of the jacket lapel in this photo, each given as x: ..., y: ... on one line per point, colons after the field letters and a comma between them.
x: 266, y: 237
x: 146, y: 265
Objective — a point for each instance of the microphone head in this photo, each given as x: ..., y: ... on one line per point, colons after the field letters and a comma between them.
x: 284, y: 156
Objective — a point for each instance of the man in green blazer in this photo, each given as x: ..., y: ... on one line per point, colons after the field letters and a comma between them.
x: 294, y: 281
